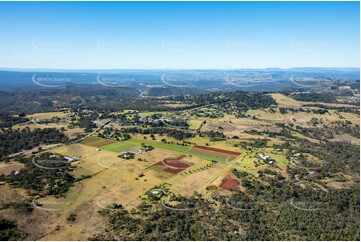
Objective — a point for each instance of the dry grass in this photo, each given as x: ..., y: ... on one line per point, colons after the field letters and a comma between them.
x: 48, y: 115
x: 284, y: 101
x: 346, y: 138
x: 43, y: 221
x: 114, y: 181
x: 7, y: 168
x: 196, y: 181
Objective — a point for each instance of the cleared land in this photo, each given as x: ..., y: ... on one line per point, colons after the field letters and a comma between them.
x: 117, y: 147
x: 195, y: 124
x: 186, y: 185
x: 207, y: 156
x: 229, y: 182
x: 211, y: 153
x: 48, y: 115
x: 7, y: 168
x: 112, y: 180
x: 173, y: 165
x: 218, y: 151
x: 284, y: 101
x: 156, y: 144
x: 97, y: 142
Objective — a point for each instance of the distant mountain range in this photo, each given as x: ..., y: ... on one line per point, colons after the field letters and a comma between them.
x: 174, y: 82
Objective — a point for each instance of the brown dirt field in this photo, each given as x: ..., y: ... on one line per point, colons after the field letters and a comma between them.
x: 7, y: 168
x: 229, y: 183
x: 157, y: 155
x: 219, y: 151
x: 173, y: 171
x: 173, y: 162
x: 101, y: 143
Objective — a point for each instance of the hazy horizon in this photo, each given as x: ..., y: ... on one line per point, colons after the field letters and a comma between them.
x: 172, y: 69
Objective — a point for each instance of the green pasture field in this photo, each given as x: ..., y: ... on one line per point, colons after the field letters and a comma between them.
x: 161, y: 145
x: 119, y: 146
x: 195, y: 124
x: 206, y: 156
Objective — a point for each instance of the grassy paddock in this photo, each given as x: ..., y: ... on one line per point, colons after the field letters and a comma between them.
x: 195, y: 124
x: 161, y: 145
x: 96, y: 141
x: 206, y: 156
x: 119, y: 146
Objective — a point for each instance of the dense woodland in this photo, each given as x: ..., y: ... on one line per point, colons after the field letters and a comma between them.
x: 13, y: 141
x: 314, y: 97
x: 7, y: 120
x: 9, y: 231
x: 115, y: 99
x: 233, y: 100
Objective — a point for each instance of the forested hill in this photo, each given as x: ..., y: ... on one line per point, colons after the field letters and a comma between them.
x: 120, y: 98
x: 72, y: 95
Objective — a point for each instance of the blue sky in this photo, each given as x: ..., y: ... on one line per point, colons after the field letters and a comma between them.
x: 179, y: 35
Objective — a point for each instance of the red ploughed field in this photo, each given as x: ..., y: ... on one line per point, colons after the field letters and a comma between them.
x: 218, y: 151
x: 229, y: 183
x: 173, y: 165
